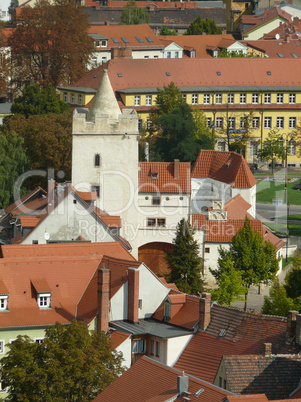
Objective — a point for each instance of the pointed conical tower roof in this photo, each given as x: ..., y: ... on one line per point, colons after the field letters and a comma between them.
x: 104, y: 100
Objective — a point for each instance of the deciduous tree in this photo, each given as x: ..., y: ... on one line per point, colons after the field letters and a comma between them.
x: 272, y: 147
x: 134, y: 15
x: 165, y: 31
x: 37, y: 101
x: 184, y: 261
x: 293, y: 278
x: 199, y: 26
x: 50, y: 44
x: 278, y: 303
x: 253, y: 257
x: 72, y: 364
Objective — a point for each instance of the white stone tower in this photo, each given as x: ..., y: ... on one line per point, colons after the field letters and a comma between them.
x: 105, y: 156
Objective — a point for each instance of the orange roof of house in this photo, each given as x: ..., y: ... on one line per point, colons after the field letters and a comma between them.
x: 200, y: 43
x: 148, y: 380
x: 165, y: 181
x: 237, y: 208
x: 156, y: 4
x: 276, y: 48
x: 227, y: 167
x: 87, y: 195
x: 24, y: 200
x: 286, y: 30
x: 111, y: 249
x: 117, y: 338
x: 29, y: 221
x: 128, y: 32
x: 260, y: 19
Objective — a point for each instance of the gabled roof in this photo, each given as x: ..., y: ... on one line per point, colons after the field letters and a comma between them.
x: 160, y: 177
x: 268, y: 15
x: 237, y: 208
x: 277, y: 48
x: 30, y: 197
x: 275, y: 376
x: 148, y: 380
x: 227, y: 167
x: 117, y: 338
x: 287, y: 30
x: 126, y: 36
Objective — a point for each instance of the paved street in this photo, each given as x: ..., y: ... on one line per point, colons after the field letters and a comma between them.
x: 269, y: 212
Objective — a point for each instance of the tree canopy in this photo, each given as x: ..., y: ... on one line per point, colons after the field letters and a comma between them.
x: 292, y: 283
x: 134, y: 15
x: 272, y: 147
x: 253, y: 257
x: 199, y: 26
x: 165, y: 31
x: 168, y: 99
x: 4, y: 62
x: 37, y: 101
x: 72, y: 364
x: 278, y: 303
x: 13, y: 162
x: 184, y: 261
x: 50, y: 45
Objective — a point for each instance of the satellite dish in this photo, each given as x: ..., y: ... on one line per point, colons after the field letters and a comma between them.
x: 46, y: 236
x: 277, y: 36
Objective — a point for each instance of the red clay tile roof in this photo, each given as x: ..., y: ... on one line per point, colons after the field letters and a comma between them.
x: 24, y: 200
x: 156, y: 4
x: 41, y: 285
x: 247, y: 398
x: 268, y: 15
x: 117, y: 338
x: 287, y: 30
x: 227, y: 167
x: 110, y: 249
x: 276, y: 376
x: 237, y: 208
x: 276, y: 48
x: 148, y: 380
x: 29, y: 221
x: 3, y: 289
x: 165, y: 181
x: 87, y: 196
x: 172, y: 286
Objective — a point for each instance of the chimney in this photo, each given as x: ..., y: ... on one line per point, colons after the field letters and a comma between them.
x: 267, y: 349
x: 205, y: 311
x: 107, y: 23
x: 133, y: 294
x: 176, y: 169
x: 121, y: 53
x: 51, y: 189
x: 298, y: 329
x: 103, y: 299
x: 183, y: 384
x: 291, y: 326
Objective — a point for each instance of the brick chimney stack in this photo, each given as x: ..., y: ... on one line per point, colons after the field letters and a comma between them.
x: 205, y: 311
x: 291, y: 325
x: 133, y: 295
x: 176, y: 169
x: 267, y: 349
x: 103, y: 299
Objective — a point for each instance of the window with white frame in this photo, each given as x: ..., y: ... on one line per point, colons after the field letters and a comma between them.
x: 243, y: 98
x: 167, y: 311
x: 103, y: 60
x: 255, y: 98
x: 139, y: 346
x: 267, y: 122
x: 2, y: 346
x: 80, y: 99
x: 218, y: 99
x: 97, y: 43
x: 219, y: 123
x: 137, y: 100
x: 292, y: 98
x: 176, y: 55
x: 65, y: 97
x: 231, y: 98
x: 291, y: 148
x: 168, y: 55
x: 149, y: 124
x: 255, y: 122
x: 148, y: 100
x: 72, y: 99
x: 3, y: 302
x: 44, y: 300
x: 206, y: 99
x: 209, y: 121
x: 103, y: 43
x: 292, y: 122
x: 242, y: 122
x: 157, y: 348
x: 221, y: 145
x: 253, y: 148
x: 195, y: 99
x: 39, y: 340
x: 156, y: 222
x: 279, y: 98
x: 152, y: 347
x: 231, y: 123
x: 280, y: 122
x: 267, y: 98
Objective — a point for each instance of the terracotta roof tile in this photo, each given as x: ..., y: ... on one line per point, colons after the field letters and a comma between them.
x: 117, y: 338
x: 87, y: 196
x: 41, y: 285
x: 164, y: 180
x: 260, y: 19
x: 275, y: 376
x: 237, y: 208
x: 24, y: 200
x: 273, y: 48
x: 148, y: 380
x: 227, y: 167
x: 29, y: 221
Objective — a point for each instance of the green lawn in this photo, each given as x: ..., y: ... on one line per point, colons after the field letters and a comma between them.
x: 285, y: 263
x: 280, y: 229
x: 268, y: 190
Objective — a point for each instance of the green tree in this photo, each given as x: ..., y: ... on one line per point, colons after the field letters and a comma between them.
x: 199, y: 26
x: 272, y: 148
x: 184, y: 261
x: 229, y: 286
x: 72, y: 364
x: 47, y: 139
x: 134, y: 15
x: 37, y: 101
x: 165, y: 31
x: 225, y: 53
x: 278, y: 303
x: 50, y: 44
x: 13, y: 162
x: 253, y: 257
x: 177, y: 138
x: 202, y: 129
x: 4, y: 62
x: 168, y: 99
x: 293, y: 277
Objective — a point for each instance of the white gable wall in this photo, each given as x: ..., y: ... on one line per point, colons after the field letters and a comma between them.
x: 175, y: 347
x: 206, y: 190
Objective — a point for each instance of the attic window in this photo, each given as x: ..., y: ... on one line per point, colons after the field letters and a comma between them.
x: 3, y: 302
x: 168, y: 74
x: 167, y: 311
x: 280, y: 55
x: 139, y: 39
x: 218, y: 73
x: 298, y: 44
x: 44, y: 300
x: 154, y: 175
x: 115, y: 40
x: 119, y: 75
x: 149, y: 39
x: 222, y: 333
x: 294, y: 55
x: 269, y: 73
x: 125, y: 40
x: 198, y: 393
x: 95, y: 76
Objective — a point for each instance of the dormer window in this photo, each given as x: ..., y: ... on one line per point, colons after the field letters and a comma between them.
x: 167, y: 311
x: 154, y: 175
x: 3, y: 302
x: 44, y: 300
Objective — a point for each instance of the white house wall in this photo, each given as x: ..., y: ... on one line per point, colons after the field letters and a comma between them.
x: 206, y: 190
x: 175, y: 347
x: 126, y: 349
x: 249, y: 194
x: 260, y: 31
x: 67, y: 222
x: 210, y: 260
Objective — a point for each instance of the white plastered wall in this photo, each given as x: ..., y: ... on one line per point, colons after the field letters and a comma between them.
x: 175, y: 347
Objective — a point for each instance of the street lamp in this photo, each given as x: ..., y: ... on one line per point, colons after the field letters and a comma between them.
x: 287, y: 228
x: 291, y: 141
x: 212, y: 126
